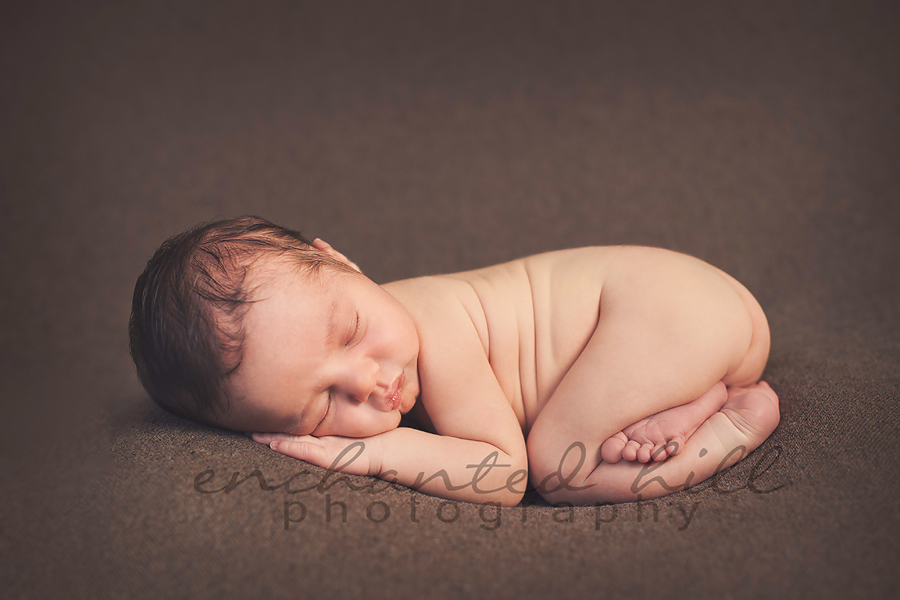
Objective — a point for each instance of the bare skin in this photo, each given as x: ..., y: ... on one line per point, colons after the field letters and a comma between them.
x: 631, y: 356
x: 664, y: 434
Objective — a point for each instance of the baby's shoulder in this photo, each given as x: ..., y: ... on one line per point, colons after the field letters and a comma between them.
x: 431, y: 294
x: 438, y: 304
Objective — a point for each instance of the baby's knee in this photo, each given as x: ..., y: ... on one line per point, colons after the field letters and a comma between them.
x: 555, y: 462
x: 540, y: 446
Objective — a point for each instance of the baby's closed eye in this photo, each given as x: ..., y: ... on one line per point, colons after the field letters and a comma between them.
x: 354, y: 330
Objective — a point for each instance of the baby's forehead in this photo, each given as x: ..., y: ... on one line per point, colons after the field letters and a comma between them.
x: 271, y: 271
x: 279, y: 294
x: 281, y: 285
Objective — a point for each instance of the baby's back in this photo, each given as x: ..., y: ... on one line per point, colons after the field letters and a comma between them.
x: 534, y: 316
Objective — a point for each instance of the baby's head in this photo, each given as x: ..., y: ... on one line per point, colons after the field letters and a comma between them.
x: 232, y: 321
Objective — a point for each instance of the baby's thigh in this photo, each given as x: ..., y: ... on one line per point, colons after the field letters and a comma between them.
x: 668, y: 330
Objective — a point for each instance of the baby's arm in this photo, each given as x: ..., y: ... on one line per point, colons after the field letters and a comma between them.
x: 479, y: 454
x: 443, y: 466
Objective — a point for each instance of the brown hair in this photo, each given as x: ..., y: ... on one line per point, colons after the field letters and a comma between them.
x: 186, y: 328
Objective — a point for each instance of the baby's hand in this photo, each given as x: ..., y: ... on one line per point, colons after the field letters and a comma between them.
x: 354, y: 456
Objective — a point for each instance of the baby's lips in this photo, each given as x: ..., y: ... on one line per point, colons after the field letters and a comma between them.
x: 393, y: 394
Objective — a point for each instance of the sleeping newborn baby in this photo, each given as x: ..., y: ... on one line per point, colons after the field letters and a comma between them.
x: 602, y: 374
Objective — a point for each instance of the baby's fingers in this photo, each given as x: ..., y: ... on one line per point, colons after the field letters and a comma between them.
x: 306, y: 450
x: 303, y: 447
x: 329, y: 452
x: 267, y: 438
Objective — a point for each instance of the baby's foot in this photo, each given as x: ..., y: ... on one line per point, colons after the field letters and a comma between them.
x: 753, y: 409
x: 663, y: 435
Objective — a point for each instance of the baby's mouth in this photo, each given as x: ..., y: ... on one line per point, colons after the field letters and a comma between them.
x: 393, y: 394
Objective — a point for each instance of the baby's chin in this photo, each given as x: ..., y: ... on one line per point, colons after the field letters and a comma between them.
x: 386, y: 428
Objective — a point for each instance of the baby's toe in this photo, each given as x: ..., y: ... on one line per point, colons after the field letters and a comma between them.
x: 611, y: 449
x: 673, y: 447
x: 645, y: 453
x: 630, y: 451
x: 659, y: 453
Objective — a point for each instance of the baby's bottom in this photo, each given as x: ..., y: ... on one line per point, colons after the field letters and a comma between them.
x: 669, y: 373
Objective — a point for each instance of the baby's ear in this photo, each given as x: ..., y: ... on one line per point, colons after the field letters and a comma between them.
x: 325, y: 247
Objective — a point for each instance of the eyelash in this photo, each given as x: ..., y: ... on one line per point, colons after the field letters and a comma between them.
x: 355, y: 330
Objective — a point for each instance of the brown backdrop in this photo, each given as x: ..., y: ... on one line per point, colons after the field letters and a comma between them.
x: 432, y: 137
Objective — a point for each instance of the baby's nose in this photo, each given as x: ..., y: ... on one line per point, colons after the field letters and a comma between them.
x: 365, y: 381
